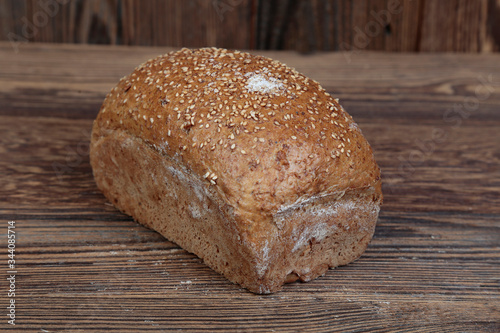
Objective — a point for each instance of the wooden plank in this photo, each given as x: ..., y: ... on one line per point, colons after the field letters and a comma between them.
x: 404, y: 27
x: 461, y: 32
x: 438, y: 80
x: 156, y: 22
x: 433, y: 265
x: 305, y: 26
x: 6, y: 19
x: 104, y: 271
x: 492, y: 39
x: 196, y: 23
x: 383, y: 25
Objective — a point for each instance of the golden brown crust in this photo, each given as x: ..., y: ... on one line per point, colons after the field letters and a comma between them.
x: 254, y: 131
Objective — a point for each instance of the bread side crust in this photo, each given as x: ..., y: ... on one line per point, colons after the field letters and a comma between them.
x: 326, y: 232
x: 308, y: 236
x: 159, y: 194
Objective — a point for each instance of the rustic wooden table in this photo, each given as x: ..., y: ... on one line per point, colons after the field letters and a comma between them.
x: 433, y: 266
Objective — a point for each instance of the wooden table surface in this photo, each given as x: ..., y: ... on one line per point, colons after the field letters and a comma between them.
x: 433, y: 121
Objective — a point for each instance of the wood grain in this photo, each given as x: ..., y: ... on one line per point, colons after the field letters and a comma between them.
x: 433, y: 265
x: 302, y: 25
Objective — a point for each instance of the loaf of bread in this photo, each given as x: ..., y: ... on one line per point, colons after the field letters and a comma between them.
x: 240, y: 160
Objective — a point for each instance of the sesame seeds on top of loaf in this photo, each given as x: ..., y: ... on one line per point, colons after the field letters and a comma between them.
x: 261, y: 134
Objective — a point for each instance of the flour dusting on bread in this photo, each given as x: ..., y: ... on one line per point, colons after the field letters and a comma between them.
x: 263, y: 84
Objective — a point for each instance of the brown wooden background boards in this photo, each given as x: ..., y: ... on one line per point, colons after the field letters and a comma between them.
x: 433, y: 266
x: 303, y: 25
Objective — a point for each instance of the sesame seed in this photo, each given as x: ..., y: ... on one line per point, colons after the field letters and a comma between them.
x: 233, y: 146
x: 294, y: 137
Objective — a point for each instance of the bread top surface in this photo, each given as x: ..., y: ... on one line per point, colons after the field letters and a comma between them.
x: 261, y: 134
